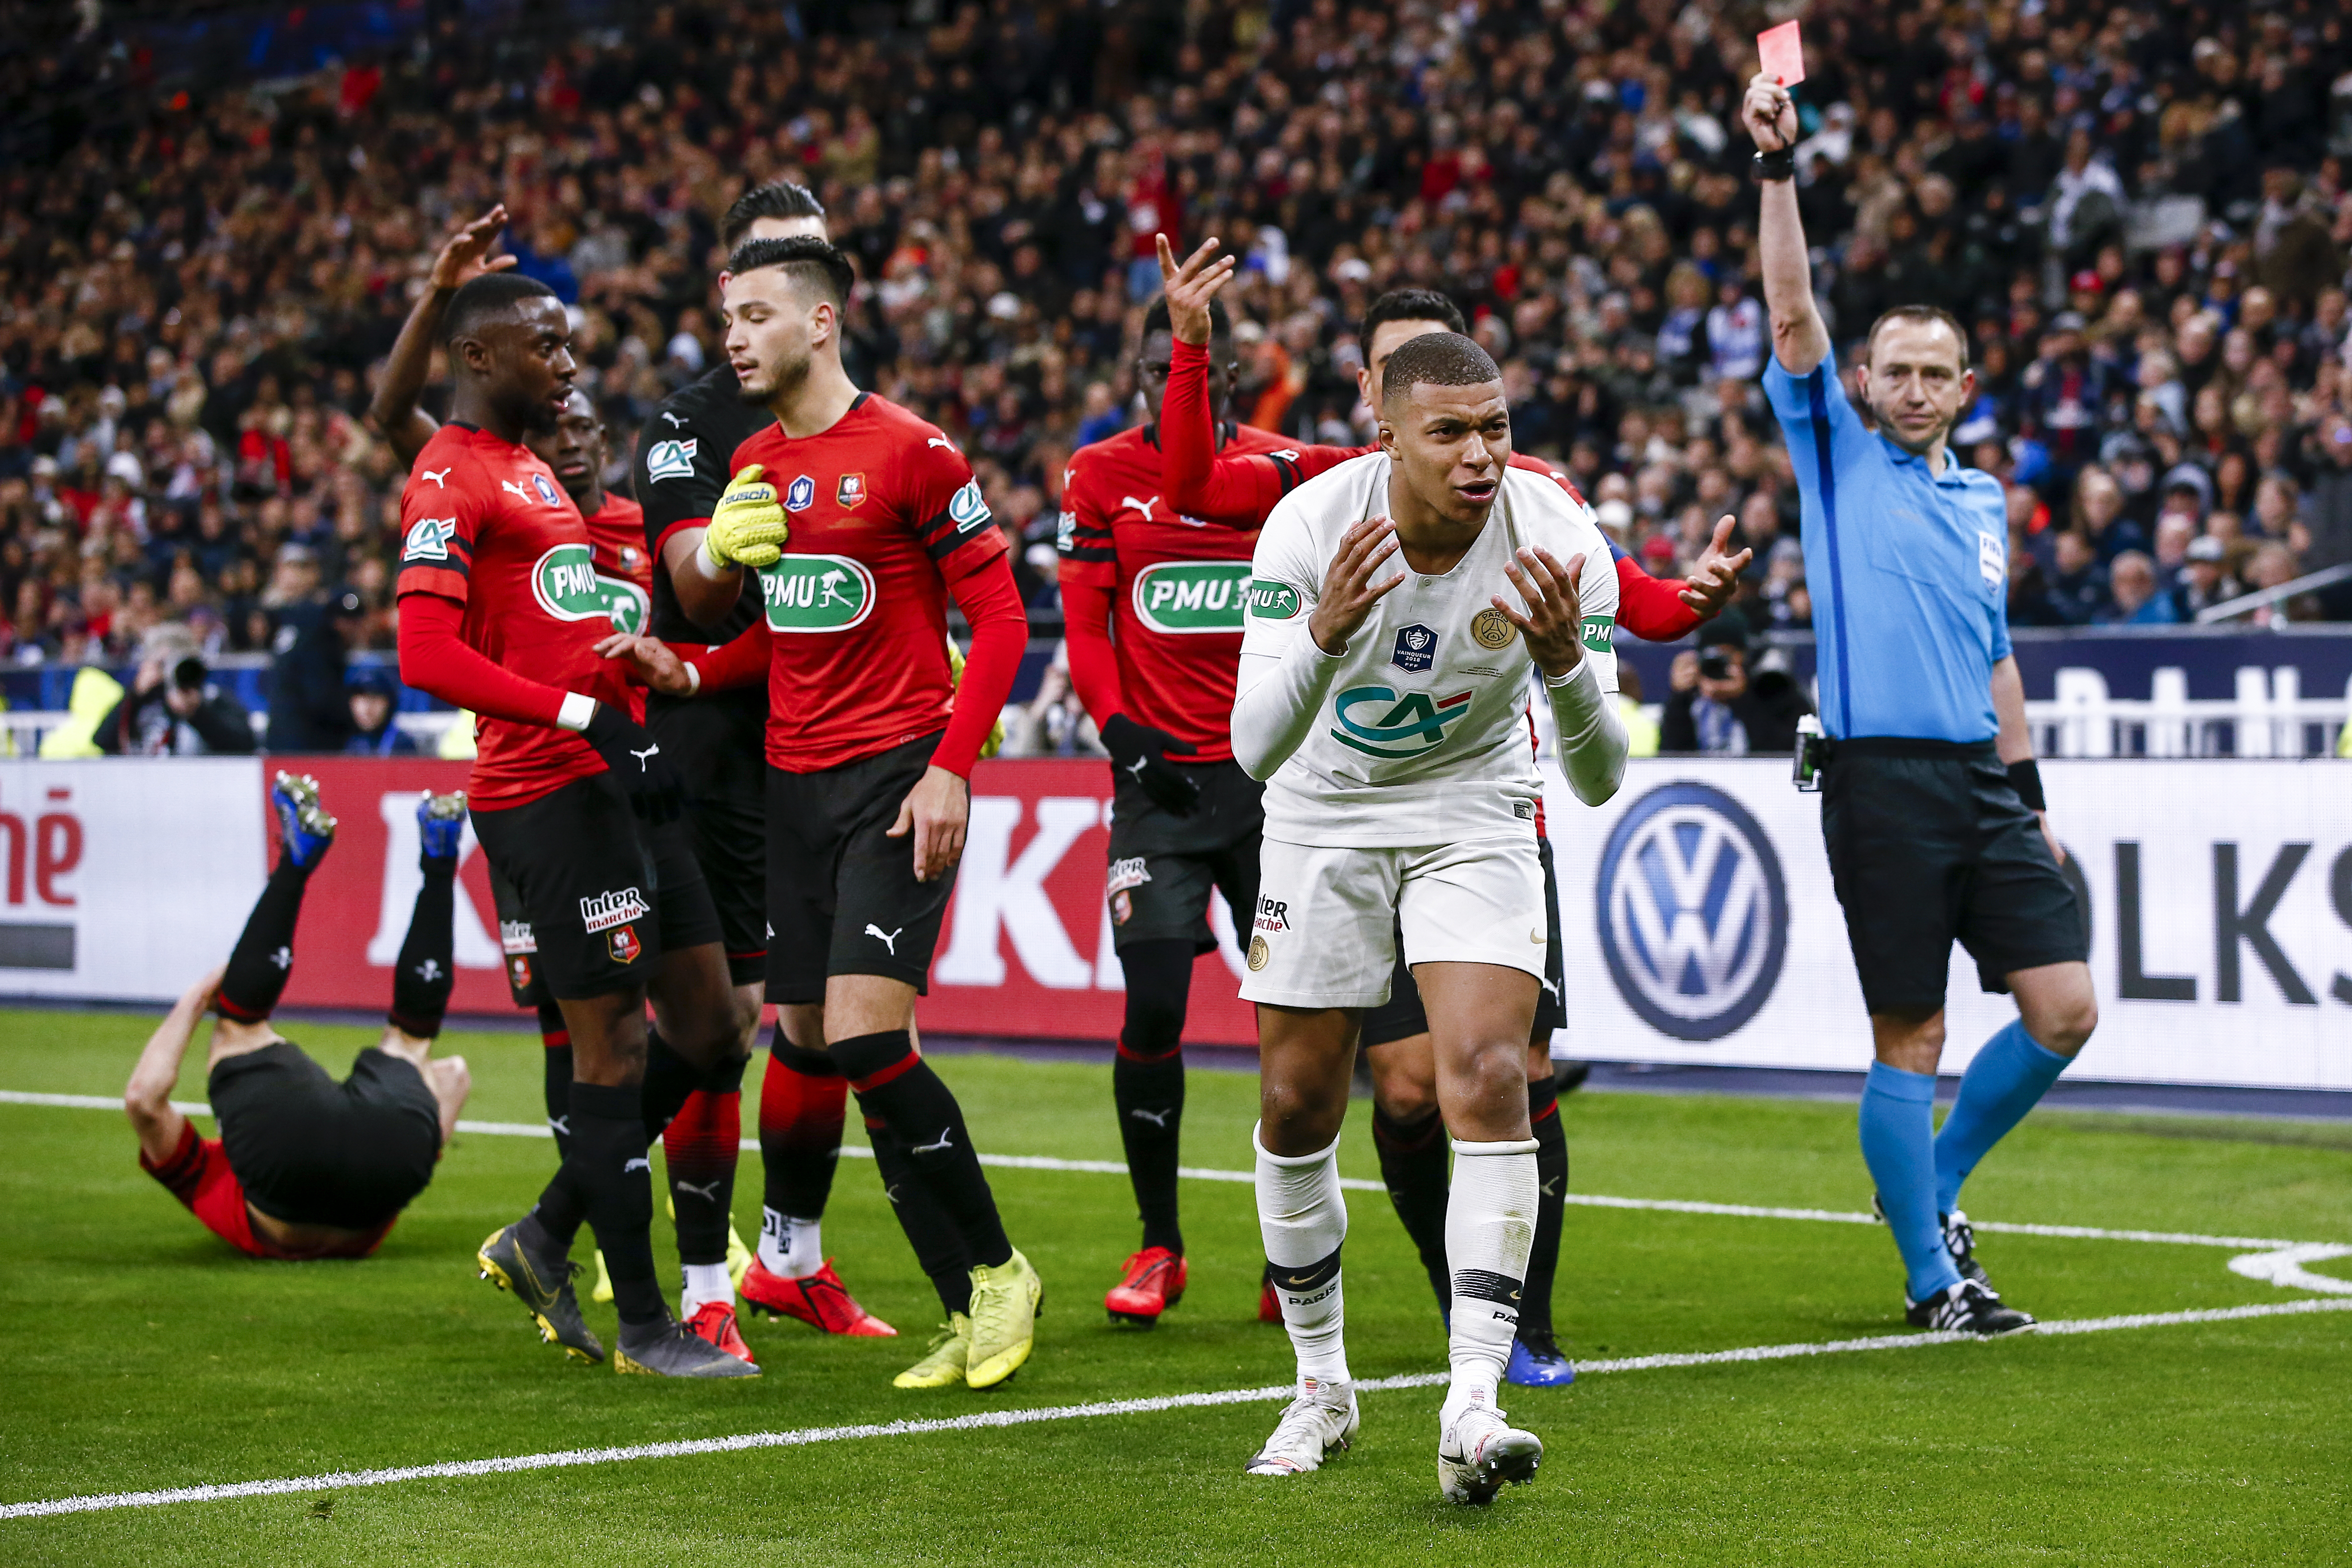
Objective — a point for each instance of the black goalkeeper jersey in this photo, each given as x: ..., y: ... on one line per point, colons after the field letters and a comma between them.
x: 681, y: 472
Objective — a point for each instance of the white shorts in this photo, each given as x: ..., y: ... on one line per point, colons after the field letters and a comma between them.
x: 1325, y: 932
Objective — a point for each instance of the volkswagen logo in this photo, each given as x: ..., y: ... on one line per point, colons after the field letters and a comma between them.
x: 1694, y: 915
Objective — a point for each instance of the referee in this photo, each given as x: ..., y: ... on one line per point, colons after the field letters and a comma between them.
x: 1931, y: 806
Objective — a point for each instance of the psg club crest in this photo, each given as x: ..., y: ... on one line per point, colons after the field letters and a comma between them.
x: 1416, y: 649
x: 624, y: 944
x: 850, y: 491
x: 540, y: 482
x: 799, y: 493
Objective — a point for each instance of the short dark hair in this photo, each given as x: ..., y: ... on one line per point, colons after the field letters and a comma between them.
x: 492, y: 294
x: 809, y: 260
x: 1156, y: 319
x: 1923, y: 314
x: 1437, y: 358
x: 1410, y: 305
x: 776, y: 199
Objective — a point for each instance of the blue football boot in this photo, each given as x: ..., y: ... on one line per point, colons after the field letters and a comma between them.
x: 303, y: 825
x: 441, y: 824
x: 1538, y: 1362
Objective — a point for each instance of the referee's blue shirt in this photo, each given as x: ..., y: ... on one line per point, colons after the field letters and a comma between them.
x: 1908, y: 571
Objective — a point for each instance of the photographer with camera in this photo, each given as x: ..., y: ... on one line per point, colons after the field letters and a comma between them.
x: 1730, y: 711
x: 172, y: 710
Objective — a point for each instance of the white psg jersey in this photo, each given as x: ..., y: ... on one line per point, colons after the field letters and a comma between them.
x: 1421, y: 736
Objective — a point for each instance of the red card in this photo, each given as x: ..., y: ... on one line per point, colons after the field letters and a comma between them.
x: 1782, y: 53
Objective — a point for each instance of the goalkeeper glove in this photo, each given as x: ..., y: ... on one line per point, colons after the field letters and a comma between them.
x: 748, y: 528
x: 1140, y: 752
x: 637, y: 763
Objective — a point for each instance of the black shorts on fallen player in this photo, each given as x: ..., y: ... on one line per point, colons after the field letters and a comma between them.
x: 605, y: 894
x: 1928, y: 843
x: 842, y: 893
x: 517, y: 943
x: 1163, y: 866
x: 311, y: 1151
x: 718, y: 745
x: 1402, y: 1016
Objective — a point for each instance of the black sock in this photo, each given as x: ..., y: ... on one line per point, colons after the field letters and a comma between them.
x: 1551, y: 1202
x: 608, y: 1165
x: 939, y: 1248
x: 670, y: 1079
x: 555, y: 1076
x: 893, y: 1082
x: 264, y: 955
x: 1146, y: 1081
x: 428, y: 956
x: 699, y: 1150
x: 1412, y: 1166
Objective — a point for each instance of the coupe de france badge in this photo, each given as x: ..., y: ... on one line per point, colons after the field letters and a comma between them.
x: 800, y: 492
x: 1416, y: 649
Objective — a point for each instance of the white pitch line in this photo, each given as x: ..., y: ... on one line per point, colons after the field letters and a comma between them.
x: 1353, y: 1183
x: 985, y: 1419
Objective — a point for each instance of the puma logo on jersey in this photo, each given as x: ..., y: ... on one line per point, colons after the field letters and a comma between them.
x: 515, y: 489
x: 1143, y: 507
x: 888, y: 938
x: 707, y: 1192
x: 946, y: 1140
x: 675, y: 422
x: 639, y: 1164
x: 440, y: 477
x: 1157, y: 1118
x: 940, y: 442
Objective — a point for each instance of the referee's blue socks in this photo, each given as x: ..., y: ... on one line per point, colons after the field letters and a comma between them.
x: 1898, y: 1145
x: 2005, y: 1080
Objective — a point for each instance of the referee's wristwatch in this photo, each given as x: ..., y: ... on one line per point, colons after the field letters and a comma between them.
x: 1770, y: 168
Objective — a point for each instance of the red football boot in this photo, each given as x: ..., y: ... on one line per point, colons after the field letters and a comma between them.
x: 714, y: 1322
x: 1154, y: 1282
x: 1269, y: 1305
x: 819, y: 1300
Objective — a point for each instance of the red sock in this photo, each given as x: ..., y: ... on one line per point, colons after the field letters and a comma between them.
x: 801, y: 1116
x: 700, y: 1145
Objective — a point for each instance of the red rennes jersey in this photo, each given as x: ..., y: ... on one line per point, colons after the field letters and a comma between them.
x: 624, y: 572
x: 484, y: 523
x: 884, y: 514
x: 1175, y: 582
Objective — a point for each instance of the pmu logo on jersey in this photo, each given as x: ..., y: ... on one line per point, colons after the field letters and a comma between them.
x: 564, y: 582
x: 1180, y: 597
x: 545, y: 486
x: 428, y: 539
x: 1694, y: 916
x: 799, y: 493
x: 817, y: 594
x: 625, y: 603
x: 1416, y: 649
x: 968, y: 508
x: 1377, y: 722
x: 670, y: 459
x: 606, y: 910
x: 1270, y: 601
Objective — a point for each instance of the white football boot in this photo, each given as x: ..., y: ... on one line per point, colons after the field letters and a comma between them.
x: 1313, y: 1426
x: 1479, y: 1451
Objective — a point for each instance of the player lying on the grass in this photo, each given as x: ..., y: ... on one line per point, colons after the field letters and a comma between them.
x: 701, y: 1142
x: 1406, y: 1128
x: 869, y: 744
x: 305, y: 1166
x: 1398, y: 604
x: 574, y: 804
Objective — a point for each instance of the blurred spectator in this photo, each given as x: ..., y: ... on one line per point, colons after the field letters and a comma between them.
x: 2078, y: 588
x: 1721, y: 713
x: 1052, y: 723
x: 172, y: 709
x: 310, y: 702
x: 372, y: 696
x: 2202, y: 582
x: 2135, y: 598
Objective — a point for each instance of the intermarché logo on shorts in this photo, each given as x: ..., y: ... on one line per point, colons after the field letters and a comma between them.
x: 606, y: 910
x: 817, y: 594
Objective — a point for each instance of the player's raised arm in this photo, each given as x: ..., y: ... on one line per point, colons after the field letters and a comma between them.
x: 1294, y: 637
x: 1569, y: 645
x: 393, y: 413
x: 1799, y: 341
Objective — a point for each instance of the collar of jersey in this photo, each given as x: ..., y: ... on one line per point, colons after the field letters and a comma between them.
x: 1954, y: 472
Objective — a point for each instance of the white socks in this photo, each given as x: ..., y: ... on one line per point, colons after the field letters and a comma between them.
x: 1304, y: 1220
x: 1490, y: 1225
x: 705, y: 1282
x: 789, y: 1248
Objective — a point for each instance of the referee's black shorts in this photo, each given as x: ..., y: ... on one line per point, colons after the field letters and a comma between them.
x: 1929, y: 842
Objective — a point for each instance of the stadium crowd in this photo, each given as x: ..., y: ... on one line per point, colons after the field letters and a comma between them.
x: 2135, y: 208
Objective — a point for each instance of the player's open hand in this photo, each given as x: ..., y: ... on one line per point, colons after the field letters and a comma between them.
x: 461, y: 258
x: 1715, y: 578
x: 935, y: 812
x: 656, y: 665
x: 1191, y: 287
x: 1553, y: 621
x: 1770, y: 114
x: 1353, y: 583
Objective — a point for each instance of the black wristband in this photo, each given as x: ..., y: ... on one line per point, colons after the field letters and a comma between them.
x: 2025, y: 777
x: 1775, y: 166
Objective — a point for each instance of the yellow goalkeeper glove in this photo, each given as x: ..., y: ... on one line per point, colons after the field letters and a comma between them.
x: 995, y: 742
x: 748, y: 528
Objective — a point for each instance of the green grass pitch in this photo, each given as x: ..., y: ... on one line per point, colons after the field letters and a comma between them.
x: 143, y: 1354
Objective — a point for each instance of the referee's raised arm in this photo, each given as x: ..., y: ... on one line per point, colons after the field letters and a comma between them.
x: 1799, y: 341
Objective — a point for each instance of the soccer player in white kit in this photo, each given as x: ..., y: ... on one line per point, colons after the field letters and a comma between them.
x: 1397, y: 603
